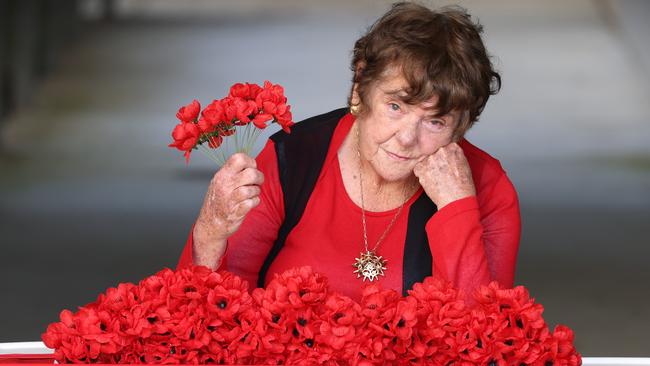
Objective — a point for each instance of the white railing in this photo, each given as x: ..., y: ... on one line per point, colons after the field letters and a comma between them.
x: 615, y: 361
x: 30, y: 348
x: 39, y: 348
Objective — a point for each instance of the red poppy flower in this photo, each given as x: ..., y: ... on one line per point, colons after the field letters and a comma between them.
x: 270, y: 93
x: 254, y: 90
x: 260, y: 120
x: 294, y: 288
x: 227, y: 297
x: 566, y: 352
x: 305, y: 286
x: 245, y: 91
x: 188, y: 113
x: 285, y: 120
x: 215, y: 141
x: 404, y: 319
x: 225, y: 128
x: 211, y: 116
x: 309, y: 352
x: 185, y: 136
x: 244, y: 109
x: 340, y: 320
x: 433, y: 289
x: 374, y: 300
x: 239, y: 90
x: 229, y: 109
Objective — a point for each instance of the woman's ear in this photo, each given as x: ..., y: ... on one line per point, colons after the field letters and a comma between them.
x: 355, y: 101
x: 358, y: 70
x: 354, y: 98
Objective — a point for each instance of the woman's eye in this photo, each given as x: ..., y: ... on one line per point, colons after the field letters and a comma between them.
x: 394, y: 106
x: 435, y: 124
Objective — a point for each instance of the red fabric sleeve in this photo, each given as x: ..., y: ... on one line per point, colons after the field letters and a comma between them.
x: 475, y: 240
x: 248, y: 247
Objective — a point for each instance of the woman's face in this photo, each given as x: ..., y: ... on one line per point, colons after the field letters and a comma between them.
x: 394, y: 135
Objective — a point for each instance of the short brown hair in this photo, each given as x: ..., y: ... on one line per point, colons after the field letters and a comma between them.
x: 440, y: 53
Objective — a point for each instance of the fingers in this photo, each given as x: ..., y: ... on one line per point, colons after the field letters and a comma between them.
x: 445, y: 175
x: 417, y: 169
x: 445, y: 153
x: 450, y: 148
x: 233, y: 192
x: 249, y: 176
x: 245, y: 192
x: 447, y: 158
x: 243, y: 207
x: 238, y: 162
x: 239, y: 170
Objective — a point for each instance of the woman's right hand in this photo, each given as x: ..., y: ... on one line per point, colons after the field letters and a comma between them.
x: 233, y: 192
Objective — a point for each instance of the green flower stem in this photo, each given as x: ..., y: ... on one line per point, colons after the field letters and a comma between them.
x: 247, y: 147
x: 223, y: 155
x: 232, y: 144
x: 209, y: 154
x: 237, y: 139
x: 217, y: 158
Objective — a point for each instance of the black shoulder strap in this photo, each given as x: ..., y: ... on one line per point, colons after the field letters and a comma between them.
x: 301, y: 155
x: 418, y: 262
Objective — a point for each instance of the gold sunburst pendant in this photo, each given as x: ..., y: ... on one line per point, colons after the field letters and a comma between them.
x: 369, y: 266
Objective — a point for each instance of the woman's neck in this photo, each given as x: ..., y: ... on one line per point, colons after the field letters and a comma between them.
x: 374, y: 184
x: 379, y: 194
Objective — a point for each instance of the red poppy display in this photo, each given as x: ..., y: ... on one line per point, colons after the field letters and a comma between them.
x: 197, y: 316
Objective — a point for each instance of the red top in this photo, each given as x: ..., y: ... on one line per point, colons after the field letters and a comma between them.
x: 473, y: 240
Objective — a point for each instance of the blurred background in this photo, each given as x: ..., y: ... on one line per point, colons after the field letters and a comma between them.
x: 90, y: 194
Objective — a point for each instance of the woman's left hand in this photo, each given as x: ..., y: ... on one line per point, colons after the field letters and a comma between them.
x: 445, y: 175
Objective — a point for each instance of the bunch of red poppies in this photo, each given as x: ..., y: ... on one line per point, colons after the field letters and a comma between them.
x: 197, y: 316
x: 246, y: 104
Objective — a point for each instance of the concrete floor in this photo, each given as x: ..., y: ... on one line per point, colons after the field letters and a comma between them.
x: 90, y: 194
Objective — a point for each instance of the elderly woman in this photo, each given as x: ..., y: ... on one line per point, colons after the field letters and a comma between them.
x: 385, y: 190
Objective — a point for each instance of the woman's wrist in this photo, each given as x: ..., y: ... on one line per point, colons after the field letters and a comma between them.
x: 209, y: 231
x: 208, y: 245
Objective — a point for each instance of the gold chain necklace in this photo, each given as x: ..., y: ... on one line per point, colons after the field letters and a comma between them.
x: 369, y: 265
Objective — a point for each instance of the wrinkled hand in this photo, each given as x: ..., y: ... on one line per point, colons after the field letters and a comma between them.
x: 233, y: 192
x: 445, y: 175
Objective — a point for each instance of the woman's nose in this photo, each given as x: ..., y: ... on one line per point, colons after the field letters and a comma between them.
x: 408, y: 133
